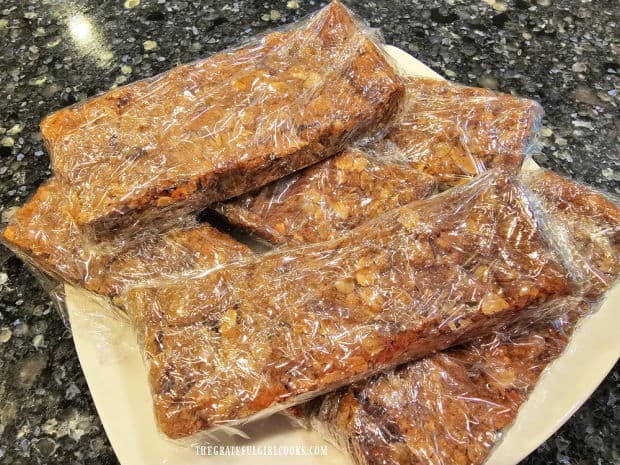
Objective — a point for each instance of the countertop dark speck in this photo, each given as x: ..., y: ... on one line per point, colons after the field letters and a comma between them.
x: 565, y: 54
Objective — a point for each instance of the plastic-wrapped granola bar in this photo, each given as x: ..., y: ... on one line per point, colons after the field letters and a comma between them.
x: 263, y: 334
x: 593, y: 222
x: 455, y: 132
x: 143, y: 154
x: 443, y: 135
x: 44, y: 235
x: 324, y: 200
x: 450, y: 408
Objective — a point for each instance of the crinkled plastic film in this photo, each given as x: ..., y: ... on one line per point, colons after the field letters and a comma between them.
x: 229, y: 336
x: 41, y: 234
x: 328, y: 198
x: 450, y: 408
x: 262, y: 334
x: 144, y: 154
x: 455, y: 132
x: 592, y: 220
x: 444, y: 135
x: 45, y: 236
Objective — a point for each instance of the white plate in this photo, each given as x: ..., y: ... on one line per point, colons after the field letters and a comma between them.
x: 117, y: 380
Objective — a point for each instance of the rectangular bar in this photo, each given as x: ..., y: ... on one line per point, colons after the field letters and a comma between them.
x: 451, y: 407
x: 326, y: 199
x: 455, y: 132
x: 444, y: 134
x: 264, y: 334
x: 43, y: 234
x: 592, y: 220
x: 214, y: 129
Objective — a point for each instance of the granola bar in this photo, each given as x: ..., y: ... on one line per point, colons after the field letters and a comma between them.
x: 455, y: 132
x: 143, y: 154
x: 328, y: 198
x: 443, y: 135
x: 266, y: 333
x: 43, y: 234
x: 450, y: 408
x: 593, y: 223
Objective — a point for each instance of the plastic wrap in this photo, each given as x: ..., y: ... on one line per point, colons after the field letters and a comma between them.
x: 455, y: 132
x: 444, y: 134
x: 229, y: 336
x: 262, y: 334
x: 45, y: 236
x: 450, y: 408
x: 324, y: 200
x: 592, y: 220
x: 447, y: 409
x: 143, y: 154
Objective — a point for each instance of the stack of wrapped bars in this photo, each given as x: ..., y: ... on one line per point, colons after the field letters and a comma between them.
x: 410, y: 234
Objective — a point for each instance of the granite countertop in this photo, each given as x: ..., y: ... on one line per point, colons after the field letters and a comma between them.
x: 565, y: 54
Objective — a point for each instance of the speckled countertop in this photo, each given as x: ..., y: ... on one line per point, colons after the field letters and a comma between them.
x: 566, y: 54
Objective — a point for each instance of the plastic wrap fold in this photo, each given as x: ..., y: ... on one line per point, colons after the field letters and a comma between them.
x: 146, y: 153
x: 265, y: 333
x: 592, y: 222
x: 450, y: 408
x: 443, y: 135
x: 44, y: 235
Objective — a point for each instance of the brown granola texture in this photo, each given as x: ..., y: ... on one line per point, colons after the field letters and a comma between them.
x: 593, y: 223
x: 450, y: 408
x: 444, y: 135
x: 276, y: 330
x: 144, y: 153
x: 324, y: 200
x: 455, y: 132
x: 43, y: 233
